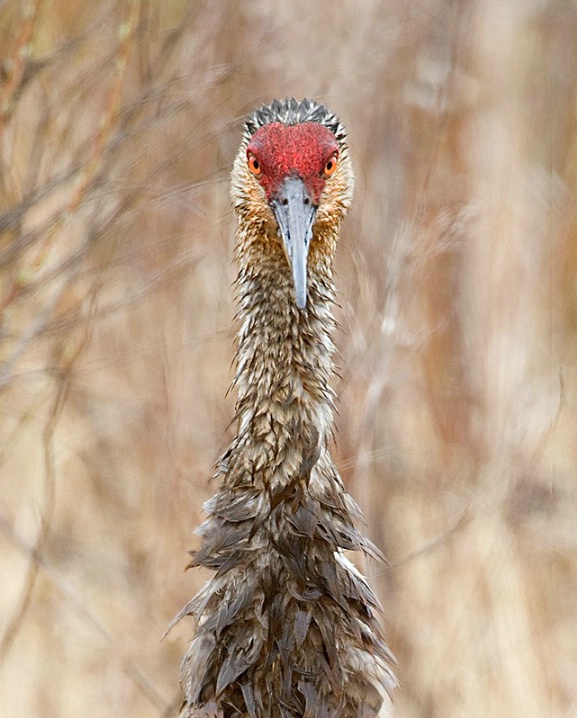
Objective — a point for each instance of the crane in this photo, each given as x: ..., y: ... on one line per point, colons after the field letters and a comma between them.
x: 287, y: 626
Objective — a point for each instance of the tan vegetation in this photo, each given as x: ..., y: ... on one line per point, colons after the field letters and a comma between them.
x: 458, y: 270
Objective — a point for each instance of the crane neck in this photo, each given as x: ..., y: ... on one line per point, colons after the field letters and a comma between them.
x: 284, y: 356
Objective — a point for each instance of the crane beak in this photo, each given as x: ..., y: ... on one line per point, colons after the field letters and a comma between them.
x: 295, y: 216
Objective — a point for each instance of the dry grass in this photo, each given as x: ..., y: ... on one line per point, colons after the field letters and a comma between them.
x: 458, y: 423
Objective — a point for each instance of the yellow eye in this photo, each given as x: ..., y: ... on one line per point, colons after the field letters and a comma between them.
x: 331, y: 165
x: 254, y: 165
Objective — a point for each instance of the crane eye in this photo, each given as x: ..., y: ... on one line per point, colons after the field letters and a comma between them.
x: 254, y: 165
x: 331, y: 165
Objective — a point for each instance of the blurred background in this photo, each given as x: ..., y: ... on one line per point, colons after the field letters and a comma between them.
x: 457, y: 268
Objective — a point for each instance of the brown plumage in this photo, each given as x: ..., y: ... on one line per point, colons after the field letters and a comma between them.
x: 286, y: 628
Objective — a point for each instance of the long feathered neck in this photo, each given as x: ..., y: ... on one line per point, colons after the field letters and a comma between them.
x: 284, y: 359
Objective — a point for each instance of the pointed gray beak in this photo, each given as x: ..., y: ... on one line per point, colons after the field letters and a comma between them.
x: 295, y: 215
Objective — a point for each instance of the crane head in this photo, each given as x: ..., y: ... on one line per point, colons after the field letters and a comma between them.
x: 293, y: 174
